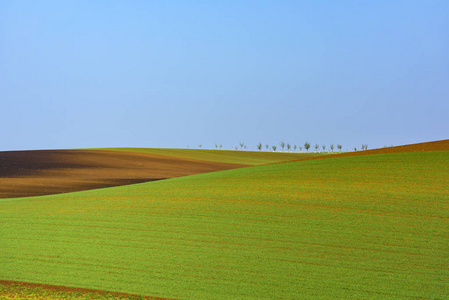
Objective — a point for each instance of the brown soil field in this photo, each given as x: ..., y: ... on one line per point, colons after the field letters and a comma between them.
x: 442, y: 145
x: 427, y: 146
x: 46, y: 172
x: 69, y: 290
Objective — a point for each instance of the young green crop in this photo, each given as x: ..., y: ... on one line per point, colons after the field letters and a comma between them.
x: 352, y: 227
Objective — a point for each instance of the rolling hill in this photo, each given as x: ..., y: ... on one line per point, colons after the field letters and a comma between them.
x: 47, y: 172
x: 225, y: 156
x: 369, y: 226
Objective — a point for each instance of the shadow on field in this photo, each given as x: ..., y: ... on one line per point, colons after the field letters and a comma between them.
x: 46, y: 172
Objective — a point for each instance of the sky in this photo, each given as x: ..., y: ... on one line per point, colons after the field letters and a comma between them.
x: 177, y: 74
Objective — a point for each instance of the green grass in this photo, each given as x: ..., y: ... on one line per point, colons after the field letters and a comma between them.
x: 352, y: 227
x: 225, y: 156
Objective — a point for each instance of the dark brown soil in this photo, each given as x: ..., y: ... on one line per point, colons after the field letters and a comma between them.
x: 73, y: 289
x: 46, y: 172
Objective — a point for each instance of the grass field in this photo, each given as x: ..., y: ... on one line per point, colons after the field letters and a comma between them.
x: 226, y: 156
x: 372, y: 226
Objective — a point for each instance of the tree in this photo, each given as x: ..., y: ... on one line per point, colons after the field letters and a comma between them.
x: 316, y: 147
x: 307, y: 146
x: 267, y: 146
x: 216, y: 146
x: 221, y: 146
x: 259, y: 146
x: 288, y: 147
x: 236, y: 148
x: 355, y: 149
x: 339, y: 147
x: 294, y: 148
x: 300, y: 149
x: 324, y: 148
x: 200, y: 145
x: 332, y: 148
x: 241, y: 145
x: 364, y: 147
x: 274, y: 148
x: 282, y: 144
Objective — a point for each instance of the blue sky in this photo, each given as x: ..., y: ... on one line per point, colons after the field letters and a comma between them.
x: 77, y: 74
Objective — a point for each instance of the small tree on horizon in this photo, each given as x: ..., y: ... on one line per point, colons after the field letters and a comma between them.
x: 332, y: 148
x: 200, y: 145
x: 339, y: 147
x: 294, y: 148
x: 267, y: 146
x: 316, y: 147
x: 274, y: 148
x: 282, y: 144
x: 288, y: 147
x: 324, y: 148
x: 300, y: 148
x: 221, y: 146
x: 241, y: 145
x: 259, y: 146
x: 307, y: 146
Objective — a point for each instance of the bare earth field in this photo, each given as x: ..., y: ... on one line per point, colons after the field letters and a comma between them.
x: 46, y: 172
x: 442, y: 145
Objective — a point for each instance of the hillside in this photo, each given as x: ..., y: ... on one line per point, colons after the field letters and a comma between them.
x: 225, y: 156
x: 365, y: 226
x: 46, y: 172
x: 442, y: 145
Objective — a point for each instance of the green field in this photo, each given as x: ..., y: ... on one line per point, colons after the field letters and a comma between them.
x: 374, y: 226
x: 225, y: 156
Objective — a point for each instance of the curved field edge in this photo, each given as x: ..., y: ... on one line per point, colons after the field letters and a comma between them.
x: 367, y: 226
x: 23, y: 290
x: 46, y: 172
x: 441, y: 145
x: 224, y: 156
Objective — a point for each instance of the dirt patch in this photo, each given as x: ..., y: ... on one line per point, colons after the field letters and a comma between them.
x: 46, y: 172
x: 67, y: 289
x: 442, y: 145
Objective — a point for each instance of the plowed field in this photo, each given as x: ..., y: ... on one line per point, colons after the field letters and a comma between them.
x: 46, y: 172
x: 442, y: 145
x: 253, y: 158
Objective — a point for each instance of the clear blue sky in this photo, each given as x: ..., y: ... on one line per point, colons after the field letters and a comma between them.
x: 76, y: 74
